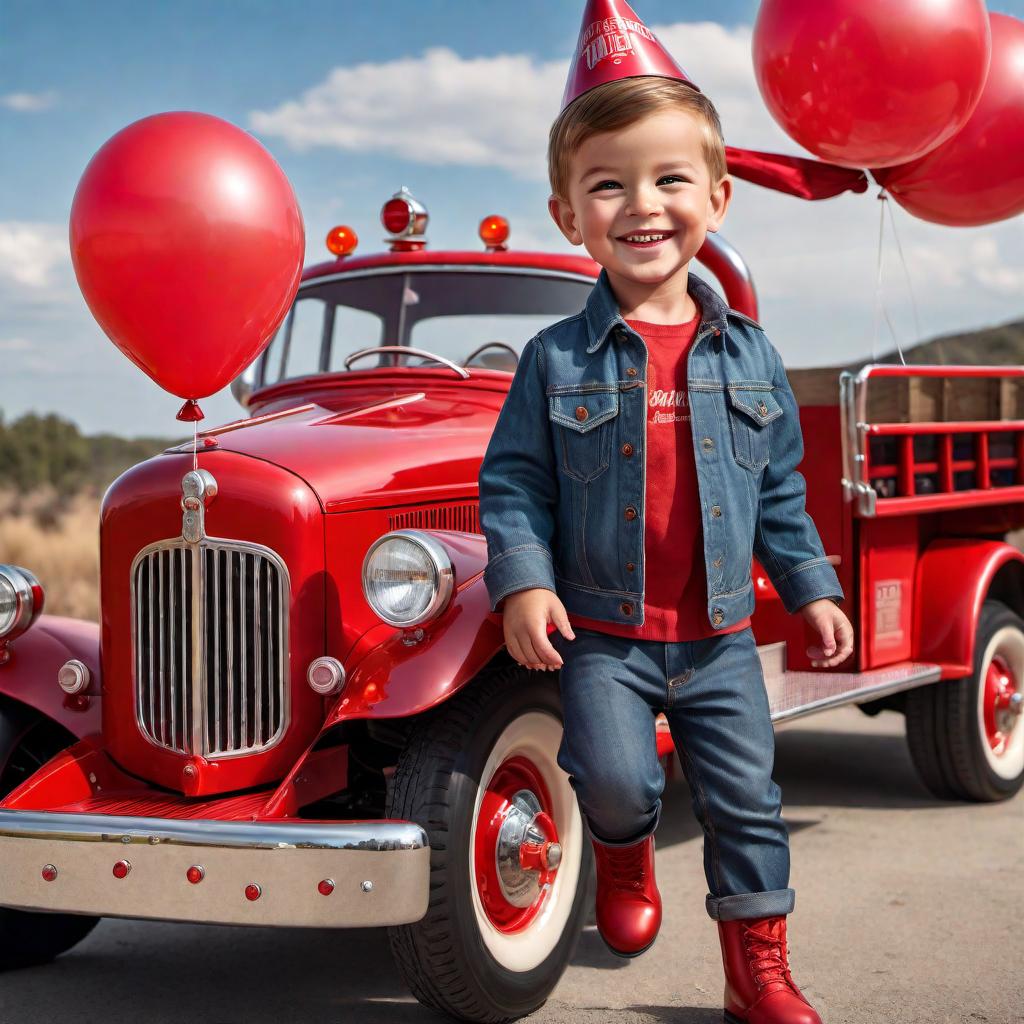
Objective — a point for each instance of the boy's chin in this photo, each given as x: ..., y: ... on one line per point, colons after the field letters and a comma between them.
x: 650, y: 273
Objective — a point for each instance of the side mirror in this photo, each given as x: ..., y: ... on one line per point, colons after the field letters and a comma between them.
x: 242, y: 385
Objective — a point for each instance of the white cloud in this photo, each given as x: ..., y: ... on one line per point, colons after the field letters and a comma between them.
x: 15, y: 345
x: 990, y: 270
x: 443, y: 109
x: 31, y: 252
x: 439, y: 108
x: 29, y: 102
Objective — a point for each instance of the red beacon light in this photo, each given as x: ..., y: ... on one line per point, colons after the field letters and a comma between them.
x: 342, y: 241
x: 405, y: 219
x: 494, y: 232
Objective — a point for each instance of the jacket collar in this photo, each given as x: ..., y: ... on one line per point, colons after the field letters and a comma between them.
x: 602, y: 309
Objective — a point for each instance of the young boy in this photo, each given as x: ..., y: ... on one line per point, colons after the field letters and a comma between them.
x: 657, y: 381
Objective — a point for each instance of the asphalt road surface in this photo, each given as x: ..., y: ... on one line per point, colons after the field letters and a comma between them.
x: 908, y: 910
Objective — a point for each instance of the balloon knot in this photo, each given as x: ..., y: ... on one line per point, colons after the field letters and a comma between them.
x: 190, y: 412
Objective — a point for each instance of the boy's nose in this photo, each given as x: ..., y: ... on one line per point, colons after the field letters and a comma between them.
x: 644, y: 202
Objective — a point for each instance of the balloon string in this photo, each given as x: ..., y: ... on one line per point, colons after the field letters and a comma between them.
x: 879, y: 304
x: 195, y: 445
x: 906, y: 271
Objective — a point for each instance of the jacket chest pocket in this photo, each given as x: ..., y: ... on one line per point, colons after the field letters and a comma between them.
x: 751, y: 409
x: 582, y: 425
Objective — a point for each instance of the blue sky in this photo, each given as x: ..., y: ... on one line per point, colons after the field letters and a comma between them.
x: 73, y: 74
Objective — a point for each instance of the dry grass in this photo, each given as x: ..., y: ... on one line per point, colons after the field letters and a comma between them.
x: 57, y: 538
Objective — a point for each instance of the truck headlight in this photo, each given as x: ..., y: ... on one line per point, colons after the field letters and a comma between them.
x: 21, y: 600
x: 407, y: 577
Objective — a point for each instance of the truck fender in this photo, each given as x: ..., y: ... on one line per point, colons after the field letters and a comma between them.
x: 400, y: 672
x: 30, y: 674
x: 954, y: 577
x: 403, y: 676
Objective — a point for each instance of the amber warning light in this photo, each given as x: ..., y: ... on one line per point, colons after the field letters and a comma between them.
x: 494, y: 232
x: 342, y: 240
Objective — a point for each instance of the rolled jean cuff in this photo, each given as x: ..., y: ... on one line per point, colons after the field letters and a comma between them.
x: 750, y: 904
x: 638, y: 838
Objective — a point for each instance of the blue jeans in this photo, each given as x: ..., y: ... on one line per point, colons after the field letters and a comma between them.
x: 713, y: 695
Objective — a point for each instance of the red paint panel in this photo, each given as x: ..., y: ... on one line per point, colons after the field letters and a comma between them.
x: 888, y: 565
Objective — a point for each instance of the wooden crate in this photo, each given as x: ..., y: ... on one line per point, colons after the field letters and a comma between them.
x: 917, y: 399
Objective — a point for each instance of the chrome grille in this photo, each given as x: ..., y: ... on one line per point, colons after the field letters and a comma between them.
x: 209, y: 629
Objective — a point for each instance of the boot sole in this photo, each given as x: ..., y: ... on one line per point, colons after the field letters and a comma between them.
x: 627, y: 956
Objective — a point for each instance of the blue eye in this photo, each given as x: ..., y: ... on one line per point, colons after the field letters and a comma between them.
x: 671, y: 177
x: 601, y: 185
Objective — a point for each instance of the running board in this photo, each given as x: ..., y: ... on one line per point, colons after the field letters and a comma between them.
x: 792, y: 694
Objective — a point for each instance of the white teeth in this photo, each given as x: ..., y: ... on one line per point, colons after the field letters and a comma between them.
x: 645, y: 238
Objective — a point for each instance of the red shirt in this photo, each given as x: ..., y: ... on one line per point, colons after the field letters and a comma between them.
x: 675, y: 598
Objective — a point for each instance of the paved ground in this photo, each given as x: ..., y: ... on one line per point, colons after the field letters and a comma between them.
x: 908, y: 910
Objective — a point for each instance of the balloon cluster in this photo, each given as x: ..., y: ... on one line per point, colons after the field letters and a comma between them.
x: 187, y: 242
x: 928, y: 96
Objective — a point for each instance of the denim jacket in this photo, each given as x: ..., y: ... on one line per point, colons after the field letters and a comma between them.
x: 563, y: 481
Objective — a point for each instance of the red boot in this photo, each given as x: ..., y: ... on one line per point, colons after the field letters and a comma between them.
x: 628, y: 901
x: 758, y: 986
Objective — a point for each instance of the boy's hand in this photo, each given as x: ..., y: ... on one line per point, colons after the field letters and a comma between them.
x: 525, y: 617
x: 835, y: 631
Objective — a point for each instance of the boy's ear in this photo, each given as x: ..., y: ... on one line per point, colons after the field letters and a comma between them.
x: 562, y: 214
x: 718, y: 203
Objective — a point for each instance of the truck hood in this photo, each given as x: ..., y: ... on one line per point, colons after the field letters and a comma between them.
x: 411, y: 445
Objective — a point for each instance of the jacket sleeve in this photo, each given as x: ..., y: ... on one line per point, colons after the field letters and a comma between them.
x: 786, y: 541
x: 519, y: 486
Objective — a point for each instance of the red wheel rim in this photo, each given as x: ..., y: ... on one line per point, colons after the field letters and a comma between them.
x: 1000, y: 686
x: 513, y: 776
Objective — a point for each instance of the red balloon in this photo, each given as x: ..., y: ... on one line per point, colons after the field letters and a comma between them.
x: 187, y: 242
x: 977, y: 177
x: 870, y: 83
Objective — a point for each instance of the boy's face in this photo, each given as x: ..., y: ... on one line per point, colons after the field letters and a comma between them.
x: 649, y: 178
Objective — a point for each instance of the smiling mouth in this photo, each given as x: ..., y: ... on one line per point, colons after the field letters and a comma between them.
x: 644, y: 239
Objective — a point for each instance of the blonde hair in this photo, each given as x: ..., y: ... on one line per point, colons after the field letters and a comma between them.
x: 618, y: 104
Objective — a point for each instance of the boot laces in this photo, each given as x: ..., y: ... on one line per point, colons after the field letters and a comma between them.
x: 628, y: 868
x: 764, y: 945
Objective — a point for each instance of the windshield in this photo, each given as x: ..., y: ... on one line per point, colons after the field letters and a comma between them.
x: 471, y: 317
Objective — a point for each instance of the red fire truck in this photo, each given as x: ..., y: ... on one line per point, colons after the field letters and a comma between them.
x: 297, y: 708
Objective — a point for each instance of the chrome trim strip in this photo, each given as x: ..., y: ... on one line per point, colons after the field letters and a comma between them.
x: 373, y: 836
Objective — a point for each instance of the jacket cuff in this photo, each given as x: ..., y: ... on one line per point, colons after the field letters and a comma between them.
x: 521, y: 568
x: 808, y: 581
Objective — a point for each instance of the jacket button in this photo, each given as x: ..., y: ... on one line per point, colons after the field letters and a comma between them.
x: 627, y: 449
x: 620, y: 333
x: 630, y: 371
x: 625, y: 608
x: 762, y: 407
x: 716, y: 510
x: 717, y: 563
x: 717, y: 617
x: 630, y: 512
x: 707, y: 444
x: 630, y: 567
x: 581, y: 412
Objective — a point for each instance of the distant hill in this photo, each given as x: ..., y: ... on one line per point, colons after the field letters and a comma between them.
x: 1002, y: 345
x: 39, y: 451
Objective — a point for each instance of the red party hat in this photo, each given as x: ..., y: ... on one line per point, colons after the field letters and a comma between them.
x: 614, y: 43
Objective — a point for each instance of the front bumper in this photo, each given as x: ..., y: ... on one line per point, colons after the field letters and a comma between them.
x: 380, y: 869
